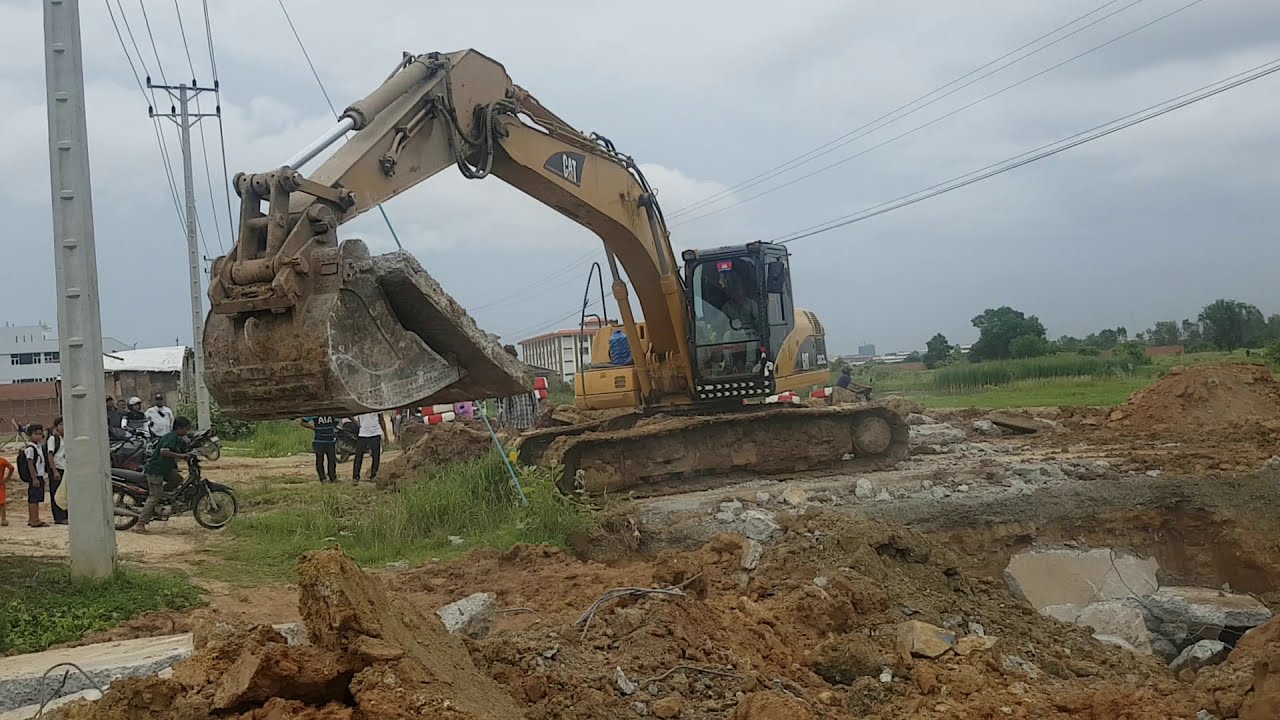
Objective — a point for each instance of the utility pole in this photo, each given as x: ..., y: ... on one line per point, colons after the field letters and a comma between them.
x: 93, y: 538
x: 183, y: 94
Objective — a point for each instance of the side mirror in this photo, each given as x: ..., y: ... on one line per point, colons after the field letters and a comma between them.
x: 776, y: 277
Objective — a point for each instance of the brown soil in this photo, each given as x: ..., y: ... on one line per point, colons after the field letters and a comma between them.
x: 1204, y: 397
x: 435, y: 445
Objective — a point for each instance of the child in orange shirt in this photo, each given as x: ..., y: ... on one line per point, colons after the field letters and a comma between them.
x: 6, y: 472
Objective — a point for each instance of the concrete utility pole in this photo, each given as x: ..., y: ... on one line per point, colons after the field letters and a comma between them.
x: 183, y: 94
x: 93, y: 537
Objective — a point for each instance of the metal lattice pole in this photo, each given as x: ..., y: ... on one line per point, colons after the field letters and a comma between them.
x: 185, y: 119
x: 93, y: 540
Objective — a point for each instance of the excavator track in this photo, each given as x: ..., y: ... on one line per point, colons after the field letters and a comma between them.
x: 662, y: 455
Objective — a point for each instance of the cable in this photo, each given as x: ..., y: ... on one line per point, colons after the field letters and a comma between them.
x: 1044, y: 151
x: 958, y: 110
x: 185, y: 45
x: 385, y: 218
x: 155, y: 126
x: 204, y: 150
x: 565, y: 270
x: 222, y: 138
x: 154, y: 50
x: 805, y: 157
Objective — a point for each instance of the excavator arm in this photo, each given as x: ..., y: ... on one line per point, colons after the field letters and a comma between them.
x: 302, y: 323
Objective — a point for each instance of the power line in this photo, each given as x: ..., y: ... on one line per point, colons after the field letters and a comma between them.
x: 1044, y: 151
x: 155, y: 123
x: 222, y: 138
x: 385, y: 218
x: 204, y: 148
x: 805, y: 157
x: 954, y: 112
x: 537, y: 284
x: 154, y: 50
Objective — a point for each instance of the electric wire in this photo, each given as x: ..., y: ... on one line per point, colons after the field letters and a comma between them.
x: 222, y: 138
x: 1098, y: 131
x: 806, y: 157
x: 301, y: 46
x: 204, y: 148
x: 537, y: 284
x: 952, y: 113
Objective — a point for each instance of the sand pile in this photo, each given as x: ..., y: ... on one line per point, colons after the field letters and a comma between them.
x: 436, y: 445
x: 1204, y: 396
x: 371, y: 655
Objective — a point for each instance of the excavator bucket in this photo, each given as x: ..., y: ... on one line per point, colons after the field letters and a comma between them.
x: 387, y: 337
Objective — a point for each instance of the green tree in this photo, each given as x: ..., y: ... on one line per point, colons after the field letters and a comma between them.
x: 997, y: 329
x: 1231, y: 324
x: 1068, y: 343
x: 937, y: 351
x: 1028, y: 346
x: 1132, y: 353
x: 1166, y: 332
x: 1190, y: 332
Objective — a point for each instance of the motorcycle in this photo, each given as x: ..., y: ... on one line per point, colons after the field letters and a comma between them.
x: 129, y: 450
x: 213, y: 505
x: 346, y: 443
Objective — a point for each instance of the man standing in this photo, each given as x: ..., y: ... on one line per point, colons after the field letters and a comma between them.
x: 162, y: 469
x: 115, y: 418
x: 368, y: 439
x: 324, y: 443
x: 32, y: 469
x: 159, y: 417
x: 56, y: 461
x: 135, y: 420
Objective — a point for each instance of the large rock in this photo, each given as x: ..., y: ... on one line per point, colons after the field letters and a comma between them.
x: 1120, y: 619
x: 1059, y: 576
x: 938, y: 434
x: 472, y: 616
x: 920, y: 639
x: 920, y: 419
x: 1202, y: 654
x: 988, y: 428
x: 1019, y: 422
x: 759, y: 525
x: 1205, y: 610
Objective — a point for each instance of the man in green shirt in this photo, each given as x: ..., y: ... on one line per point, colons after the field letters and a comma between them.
x: 162, y: 469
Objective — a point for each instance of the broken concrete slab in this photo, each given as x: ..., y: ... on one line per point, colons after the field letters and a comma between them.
x: 1202, y: 654
x: 939, y: 434
x: 1066, y: 612
x: 1117, y: 618
x: 1205, y: 609
x: 794, y: 497
x: 1017, y: 422
x: 1058, y: 576
x: 752, y: 552
x: 920, y: 419
x: 970, y: 644
x: 988, y: 428
x: 759, y: 525
x: 920, y: 639
x: 472, y: 616
x: 424, y: 308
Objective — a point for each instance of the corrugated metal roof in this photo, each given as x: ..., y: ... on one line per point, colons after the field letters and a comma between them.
x: 163, y: 359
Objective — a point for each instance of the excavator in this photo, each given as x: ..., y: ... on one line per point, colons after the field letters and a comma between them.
x: 302, y: 323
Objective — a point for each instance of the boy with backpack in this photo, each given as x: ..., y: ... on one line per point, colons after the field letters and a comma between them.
x: 32, y: 470
x: 56, y: 462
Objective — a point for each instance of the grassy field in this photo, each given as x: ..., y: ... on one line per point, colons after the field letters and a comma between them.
x: 1056, y: 380
x: 41, y: 605
x: 474, y: 501
x: 272, y: 438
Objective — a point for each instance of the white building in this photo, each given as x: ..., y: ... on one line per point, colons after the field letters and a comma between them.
x: 29, y: 353
x: 561, y: 351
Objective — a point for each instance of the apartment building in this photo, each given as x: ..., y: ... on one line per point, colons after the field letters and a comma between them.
x: 29, y: 353
x: 561, y: 351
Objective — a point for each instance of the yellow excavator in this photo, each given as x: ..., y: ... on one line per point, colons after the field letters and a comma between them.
x: 304, y: 324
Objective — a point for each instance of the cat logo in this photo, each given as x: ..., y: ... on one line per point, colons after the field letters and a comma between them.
x: 567, y: 165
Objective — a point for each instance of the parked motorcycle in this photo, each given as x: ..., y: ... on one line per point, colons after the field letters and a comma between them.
x: 213, y: 505
x: 346, y: 442
x: 129, y: 450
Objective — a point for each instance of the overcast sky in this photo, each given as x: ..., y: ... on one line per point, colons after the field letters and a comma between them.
x: 1148, y: 224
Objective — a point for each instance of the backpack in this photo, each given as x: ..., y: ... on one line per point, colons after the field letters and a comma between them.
x: 24, y: 470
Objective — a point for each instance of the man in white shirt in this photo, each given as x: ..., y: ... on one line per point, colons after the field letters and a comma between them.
x: 159, y: 417
x: 56, y: 466
x: 368, y: 439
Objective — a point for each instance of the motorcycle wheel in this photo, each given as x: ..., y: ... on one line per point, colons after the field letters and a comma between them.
x: 344, y: 454
x: 214, y: 510
x: 125, y: 500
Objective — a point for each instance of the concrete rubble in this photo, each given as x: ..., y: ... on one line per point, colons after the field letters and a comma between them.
x: 752, y: 552
x: 1206, y: 611
x: 1201, y: 655
x: 759, y: 525
x: 794, y: 497
x: 1058, y: 576
x: 988, y: 428
x: 916, y: 638
x: 926, y: 439
x: 1117, y: 619
x: 920, y: 419
x: 863, y: 489
x: 472, y: 616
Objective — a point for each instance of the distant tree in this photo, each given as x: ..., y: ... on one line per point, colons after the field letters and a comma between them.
x: 1190, y: 332
x: 997, y: 329
x: 1028, y: 346
x: 937, y: 351
x: 913, y: 357
x: 1068, y: 343
x: 1088, y: 350
x: 1132, y: 353
x: 1166, y: 332
x: 1104, y: 339
x: 1231, y: 324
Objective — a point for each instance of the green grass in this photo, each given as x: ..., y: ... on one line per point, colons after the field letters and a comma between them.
x: 273, y: 438
x: 41, y: 605
x: 967, y: 376
x: 1066, y: 392
x: 471, y: 500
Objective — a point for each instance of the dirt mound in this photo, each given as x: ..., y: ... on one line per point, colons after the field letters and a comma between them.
x: 1247, y: 686
x: 436, y: 445
x: 1204, y: 397
x: 371, y: 656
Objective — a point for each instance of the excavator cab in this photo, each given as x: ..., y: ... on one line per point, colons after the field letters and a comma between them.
x: 741, y: 311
